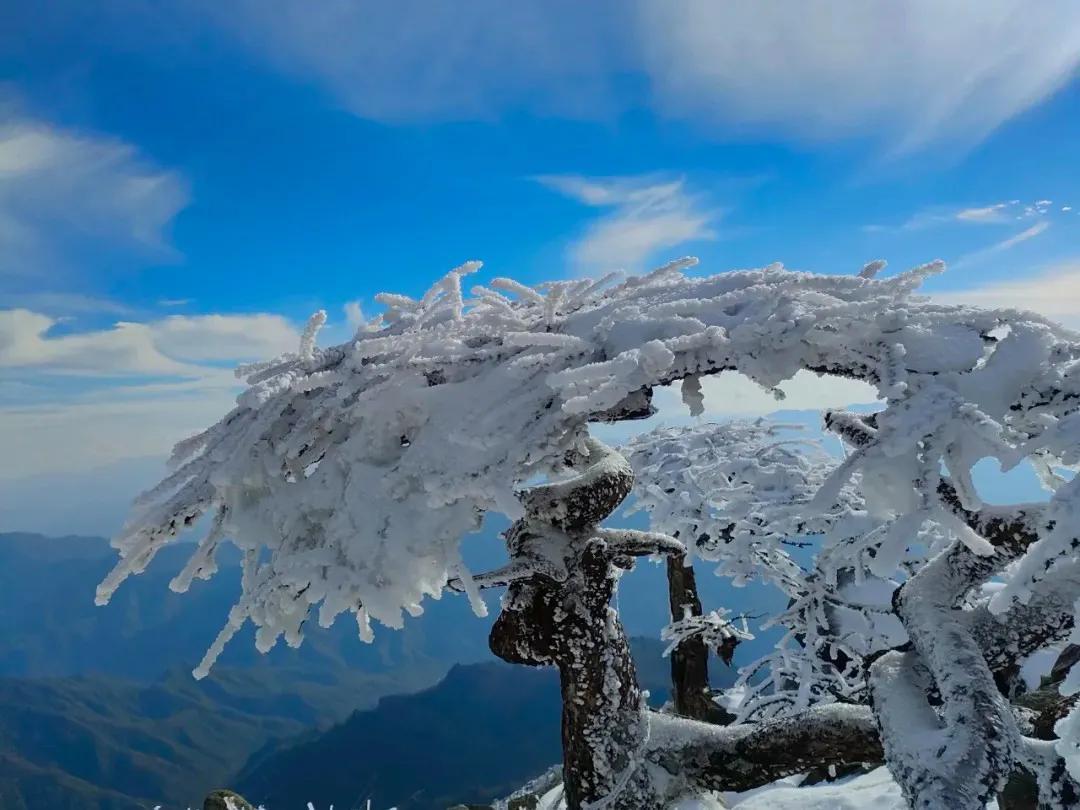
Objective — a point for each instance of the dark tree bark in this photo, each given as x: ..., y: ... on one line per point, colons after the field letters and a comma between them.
x: 690, y: 690
x: 1049, y: 706
x: 570, y: 624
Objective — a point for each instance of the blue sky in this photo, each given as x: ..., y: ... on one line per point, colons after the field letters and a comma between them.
x: 181, y: 184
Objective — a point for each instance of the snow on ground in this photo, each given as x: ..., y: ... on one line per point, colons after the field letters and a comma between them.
x: 872, y: 791
x: 700, y: 803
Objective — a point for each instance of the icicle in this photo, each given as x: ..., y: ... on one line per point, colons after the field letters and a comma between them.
x: 692, y: 397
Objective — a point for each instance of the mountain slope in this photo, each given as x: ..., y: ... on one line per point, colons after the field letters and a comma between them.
x: 97, y: 743
x: 104, y: 713
x: 109, y: 745
x: 483, y: 731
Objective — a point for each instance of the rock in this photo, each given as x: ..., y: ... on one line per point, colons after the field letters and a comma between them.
x: 226, y: 800
x: 1069, y: 656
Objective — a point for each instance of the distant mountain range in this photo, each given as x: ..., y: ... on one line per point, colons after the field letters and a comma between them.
x: 98, y: 710
x: 95, y: 743
x: 478, y: 735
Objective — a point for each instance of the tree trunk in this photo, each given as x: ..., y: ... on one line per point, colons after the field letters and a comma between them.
x: 690, y: 691
x: 571, y: 625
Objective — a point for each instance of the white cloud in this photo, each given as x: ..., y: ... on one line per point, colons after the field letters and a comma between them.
x: 1003, y: 245
x: 124, y: 349
x: 987, y: 214
x: 65, y: 303
x: 1001, y: 213
x: 224, y: 337
x: 173, y: 384
x: 1023, y: 236
x: 1054, y: 294
x: 913, y: 73
x: 167, y: 347
x: 730, y: 394
x: 418, y: 59
x: 649, y: 214
x: 61, y: 191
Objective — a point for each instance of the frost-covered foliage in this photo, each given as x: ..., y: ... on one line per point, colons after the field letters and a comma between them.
x: 739, y: 494
x: 348, y: 476
x: 714, y: 628
x: 736, y: 493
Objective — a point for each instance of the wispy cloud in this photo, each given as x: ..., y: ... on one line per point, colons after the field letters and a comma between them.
x: 437, y: 59
x: 354, y: 314
x: 828, y: 69
x: 987, y: 214
x: 62, y: 191
x: 1000, y: 213
x: 78, y: 434
x: 1023, y: 236
x: 73, y: 400
x: 173, y: 346
x: 1003, y: 245
x: 65, y: 303
x: 647, y: 214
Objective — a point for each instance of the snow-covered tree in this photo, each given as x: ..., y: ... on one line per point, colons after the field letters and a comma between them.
x: 738, y: 494
x: 348, y: 476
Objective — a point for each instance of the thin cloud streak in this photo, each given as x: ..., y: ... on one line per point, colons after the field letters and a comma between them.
x: 72, y: 401
x: 1005, y: 244
x: 990, y: 214
x: 648, y: 214
x: 1001, y: 213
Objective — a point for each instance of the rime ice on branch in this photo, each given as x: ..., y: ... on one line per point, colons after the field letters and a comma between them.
x: 348, y: 476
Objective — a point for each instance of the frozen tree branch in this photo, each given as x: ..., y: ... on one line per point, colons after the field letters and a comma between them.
x: 515, y: 571
x: 976, y: 739
x: 633, y: 543
x: 746, y: 756
x: 585, y: 498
